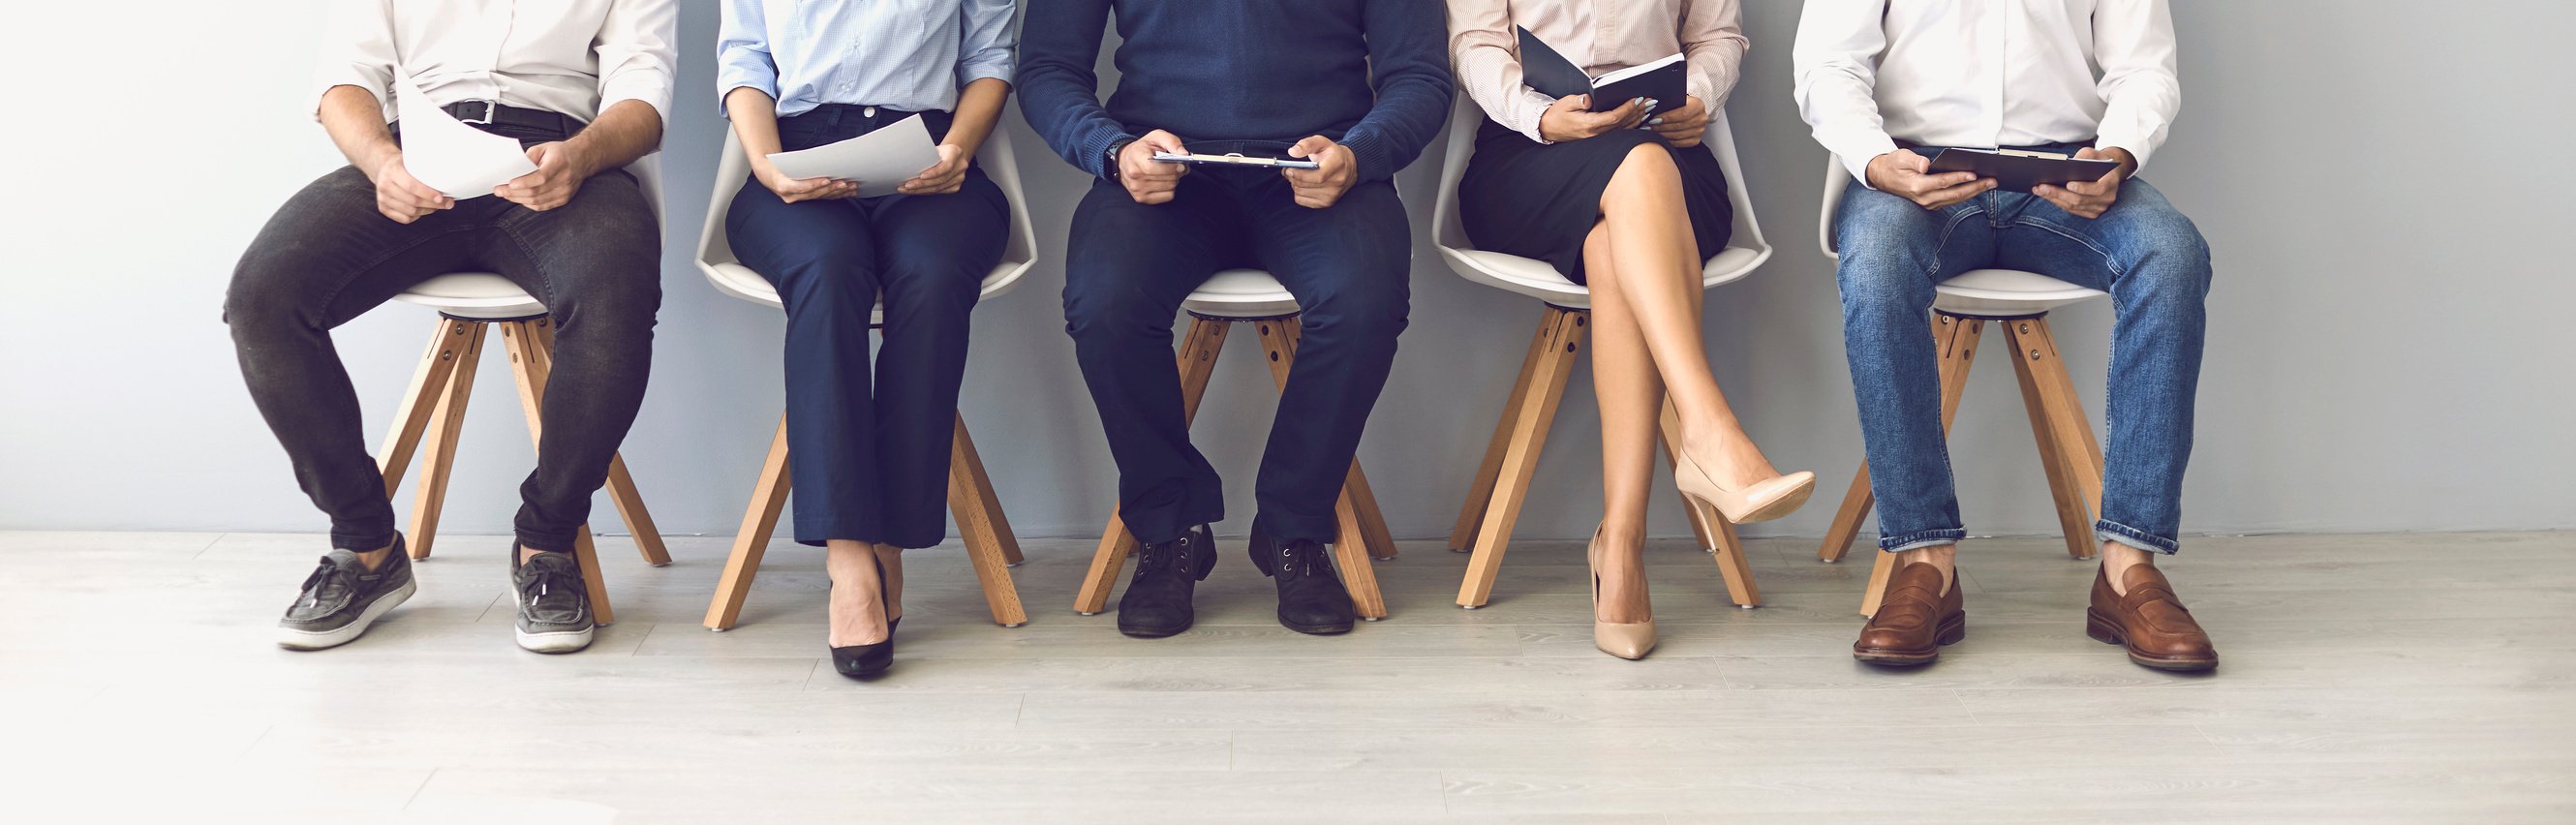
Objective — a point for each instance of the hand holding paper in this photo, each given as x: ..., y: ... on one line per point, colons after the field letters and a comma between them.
x: 448, y: 155
x: 879, y: 161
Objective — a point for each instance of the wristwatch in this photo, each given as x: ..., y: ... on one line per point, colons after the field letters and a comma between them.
x: 1115, y: 147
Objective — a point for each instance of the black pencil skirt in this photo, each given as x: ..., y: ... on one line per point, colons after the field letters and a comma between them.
x: 1539, y: 200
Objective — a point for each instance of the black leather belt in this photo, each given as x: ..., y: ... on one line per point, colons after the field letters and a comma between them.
x: 485, y: 111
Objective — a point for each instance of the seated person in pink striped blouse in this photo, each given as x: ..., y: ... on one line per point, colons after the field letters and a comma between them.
x: 1629, y: 203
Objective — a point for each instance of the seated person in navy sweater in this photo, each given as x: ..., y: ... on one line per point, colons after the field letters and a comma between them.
x: 1360, y: 86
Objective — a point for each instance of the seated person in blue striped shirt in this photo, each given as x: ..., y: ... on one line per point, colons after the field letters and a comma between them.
x: 871, y: 460
x: 1360, y: 86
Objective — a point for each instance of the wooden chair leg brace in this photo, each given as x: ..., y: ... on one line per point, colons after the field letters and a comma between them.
x: 1502, y: 482
x: 434, y: 410
x: 2067, y: 450
x: 1363, y: 528
x: 990, y: 545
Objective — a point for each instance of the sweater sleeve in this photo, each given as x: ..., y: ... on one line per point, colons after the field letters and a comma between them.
x: 1409, y: 66
x: 1059, y: 92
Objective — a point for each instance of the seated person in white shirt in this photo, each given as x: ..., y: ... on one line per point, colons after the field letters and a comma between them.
x: 871, y: 468
x: 2093, y: 78
x: 582, y: 85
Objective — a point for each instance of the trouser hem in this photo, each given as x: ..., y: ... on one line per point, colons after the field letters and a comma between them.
x: 1920, y: 539
x: 2113, y: 531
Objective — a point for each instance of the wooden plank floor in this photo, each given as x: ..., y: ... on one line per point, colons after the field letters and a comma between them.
x: 2398, y: 678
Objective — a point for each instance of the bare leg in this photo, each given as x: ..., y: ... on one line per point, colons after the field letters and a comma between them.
x: 1632, y: 398
x: 2117, y: 558
x: 858, y: 614
x: 1657, y: 279
x: 1943, y: 556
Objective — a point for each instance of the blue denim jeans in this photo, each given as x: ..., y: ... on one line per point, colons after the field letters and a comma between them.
x: 2143, y: 252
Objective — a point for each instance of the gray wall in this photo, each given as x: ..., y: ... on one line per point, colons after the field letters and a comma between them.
x: 2387, y: 345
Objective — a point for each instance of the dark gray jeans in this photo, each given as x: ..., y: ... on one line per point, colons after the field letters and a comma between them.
x: 328, y: 256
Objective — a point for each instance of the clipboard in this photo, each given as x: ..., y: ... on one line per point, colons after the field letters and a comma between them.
x: 2021, y: 171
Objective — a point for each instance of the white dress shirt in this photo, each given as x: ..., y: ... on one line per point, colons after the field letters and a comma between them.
x: 1985, y: 74
x: 908, y: 55
x: 572, y: 57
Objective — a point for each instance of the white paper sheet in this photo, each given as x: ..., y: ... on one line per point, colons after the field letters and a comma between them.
x: 880, y: 160
x: 449, y: 155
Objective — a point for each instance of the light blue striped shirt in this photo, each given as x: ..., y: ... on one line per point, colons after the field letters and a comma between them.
x: 911, y: 55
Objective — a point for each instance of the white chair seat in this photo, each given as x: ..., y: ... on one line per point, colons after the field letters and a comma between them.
x: 1241, y: 293
x: 1997, y: 293
x: 1537, y: 279
x: 479, y: 295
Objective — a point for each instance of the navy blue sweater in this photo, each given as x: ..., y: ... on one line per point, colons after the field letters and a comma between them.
x: 1223, y: 70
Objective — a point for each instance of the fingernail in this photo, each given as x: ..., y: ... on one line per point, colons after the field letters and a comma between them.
x: 1654, y: 121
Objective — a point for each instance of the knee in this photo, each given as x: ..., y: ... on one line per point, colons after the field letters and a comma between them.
x: 1649, y: 167
x: 261, y: 298
x: 2173, y: 260
x: 1369, y: 309
x: 618, y: 304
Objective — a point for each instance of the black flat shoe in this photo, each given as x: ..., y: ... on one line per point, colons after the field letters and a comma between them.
x: 869, y: 660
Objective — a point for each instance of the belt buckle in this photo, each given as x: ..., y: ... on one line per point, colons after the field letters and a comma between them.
x: 491, y: 109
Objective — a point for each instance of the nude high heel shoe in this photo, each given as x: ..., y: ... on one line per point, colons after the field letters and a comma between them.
x: 1626, y: 641
x: 1765, y: 500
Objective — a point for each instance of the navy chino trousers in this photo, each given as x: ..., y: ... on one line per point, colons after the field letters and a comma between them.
x: 1129, y: 266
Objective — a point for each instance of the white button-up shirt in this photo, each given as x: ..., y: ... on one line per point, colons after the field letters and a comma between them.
x: 573, y: 57
x: 1985, y: 74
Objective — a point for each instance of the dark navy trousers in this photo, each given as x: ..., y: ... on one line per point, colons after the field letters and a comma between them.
x: 869, y: 459
x: 1127, y: 270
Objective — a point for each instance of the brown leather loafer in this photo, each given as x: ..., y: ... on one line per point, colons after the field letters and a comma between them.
x: 1915, y: 619
x: 2150, y: 621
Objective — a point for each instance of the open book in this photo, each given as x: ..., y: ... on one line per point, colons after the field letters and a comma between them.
x: 1666, y: 81
x: 2019, y: 171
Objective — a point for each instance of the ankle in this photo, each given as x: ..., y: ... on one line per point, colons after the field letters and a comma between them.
x: 2117, y: 558
x: 1943, y: 557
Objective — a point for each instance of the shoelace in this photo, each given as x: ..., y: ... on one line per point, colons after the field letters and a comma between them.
x: 1296, y: 563
x: 546, y: 575
x: 328, y: 579
x: 1160, y: 558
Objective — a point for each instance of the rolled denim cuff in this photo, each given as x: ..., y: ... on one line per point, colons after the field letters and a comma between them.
x: 2134, y: 537
x: 1920, y: 539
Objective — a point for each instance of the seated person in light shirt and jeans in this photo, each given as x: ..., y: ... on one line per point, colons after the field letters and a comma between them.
x: 871, y: 464
x: 1879, y: 80
x: 583, y: 85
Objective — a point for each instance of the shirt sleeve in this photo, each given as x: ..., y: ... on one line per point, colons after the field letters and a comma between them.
x: 357, y: 50
x: 742, y: 51
x: 635, y: 54
x: 988, y: 39
x: 2133, y: 41
x: 1835, y: 62
x: 1481, y: 43
x: 1713, y: 44
x: 1059, y: 92
x: 1411, y: 75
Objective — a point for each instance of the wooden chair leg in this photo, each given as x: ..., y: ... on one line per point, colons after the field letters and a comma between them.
x: 2072, y: 518
x: 621, y: 485
x: 980, y: 521
x: 1562, y: 334
x: 1957, y: 355
x: 751, y: 540
x: 1351, y: 545
x: 447, y: 347
x: 1196, y: 360
x: 528, y: 366
x: 430, y: 499
x: 2077, y: 454
x: 1716, y: 534
x: 1480, y: 491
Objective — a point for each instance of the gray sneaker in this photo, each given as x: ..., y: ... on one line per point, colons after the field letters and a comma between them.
x: 343, y: 597
x: 553, y: 600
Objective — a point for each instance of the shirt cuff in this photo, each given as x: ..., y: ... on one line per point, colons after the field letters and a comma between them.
x: 1857, y: 151
x: 1535, y: 103
x: 732, y: 74
x: 374, y: 84
x: 652, y: 88
x: 2137, y: 148
x: 968, y: 73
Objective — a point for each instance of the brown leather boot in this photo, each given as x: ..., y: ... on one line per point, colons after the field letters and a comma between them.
x: 2150, y: 621
x: 1915, y: 619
